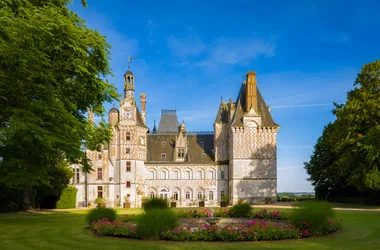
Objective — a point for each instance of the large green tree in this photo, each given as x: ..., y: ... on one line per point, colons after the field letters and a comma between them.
x: 347, y: 155
x: 52, y: 70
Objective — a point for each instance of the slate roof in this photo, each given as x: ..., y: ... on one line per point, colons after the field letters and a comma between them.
x: 222, y: 116
x: 266, y: 117
x: 168, y: 122
x: 195, y: 149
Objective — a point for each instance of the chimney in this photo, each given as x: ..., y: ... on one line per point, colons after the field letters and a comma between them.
x: 251, y: 91
x: 143, y: 106
x: 91, y: 116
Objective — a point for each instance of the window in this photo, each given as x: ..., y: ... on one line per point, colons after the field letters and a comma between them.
x: 99, y: 156
x: 128, y: 184
x: 187, y: 175
x: 127, y: 136
x: 211, y: 195
x: 163, y: 144
x: 163, y: 175
x: 203, y: 155
x: 100, y: 192
x: 200, y: 195
x: 222, y: 175
x: 152, y: 195
x: 175, y: 196
x: 181, y: 152
x: 211, y: 175
x: 128, y: 167
x: 187, y: 195
x: 127, y: 151
x: 221, y: 195
x: 163, y: 155
x: 199, y: 174
x: 100, y: 173
x: 151, y: 175
x: 77, y: 175
x: 176, y: 175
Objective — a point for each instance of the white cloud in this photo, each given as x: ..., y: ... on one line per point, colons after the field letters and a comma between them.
x: 188, y: 46
x: 227, y: 51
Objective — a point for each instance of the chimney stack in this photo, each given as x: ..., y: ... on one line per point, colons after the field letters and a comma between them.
x: 90, y: 116
x: 143, y: 106
x: 251, y: 91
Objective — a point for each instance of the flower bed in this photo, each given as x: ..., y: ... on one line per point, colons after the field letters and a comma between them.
x: 255, y: 230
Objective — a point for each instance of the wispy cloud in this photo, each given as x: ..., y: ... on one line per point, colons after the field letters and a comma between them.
x: 151, y: 27
x: 227, y: 51
x: 301, y: 105
x: 188, y: 46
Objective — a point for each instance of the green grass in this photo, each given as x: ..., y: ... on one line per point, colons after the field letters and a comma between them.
x: 68, y: 230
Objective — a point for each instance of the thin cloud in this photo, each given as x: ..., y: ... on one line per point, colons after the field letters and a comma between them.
x: 189, y: 46
x: 302, y: 105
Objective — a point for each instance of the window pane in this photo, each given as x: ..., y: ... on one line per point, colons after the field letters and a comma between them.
x: 211, y: 195
x: 199, y: 174
x: 222, y: 175
x: 176, y: 175
x: 187, y: 175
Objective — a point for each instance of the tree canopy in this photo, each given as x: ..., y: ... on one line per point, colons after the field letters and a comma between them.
x: 53, y: 69
x: 347, y: 155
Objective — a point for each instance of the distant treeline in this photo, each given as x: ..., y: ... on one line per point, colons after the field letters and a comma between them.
x: 288, y: 196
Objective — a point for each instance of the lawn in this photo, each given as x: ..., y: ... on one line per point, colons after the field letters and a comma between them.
x: 68, y: 230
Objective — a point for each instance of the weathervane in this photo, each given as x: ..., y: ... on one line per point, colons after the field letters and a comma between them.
x: 129, y: 62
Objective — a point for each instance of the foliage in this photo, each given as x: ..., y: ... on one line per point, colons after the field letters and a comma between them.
x: 100, y: 200
x: 127, y: 218
x: 52, y: 70
x: 96, y: 214
x: 155, y: 221
x: 347, y: 155
x: 195, y: 213
x: 68, y: 198
x: 155, y: 203
x: 241, y: 210
x: 316, y: 217
x: 274, y: 215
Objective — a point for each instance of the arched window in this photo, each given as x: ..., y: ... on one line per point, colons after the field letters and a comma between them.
x: 151, y: 175
x: 152, y: 194
x: 200, y: 176
x: 210, y: 195
x: 187, y: 175
x: 175, y: 195
x: 163, y: 175
x: 175, y: 175
x: 188, y: 195
x: 200, y: 195
x: 211, y: 175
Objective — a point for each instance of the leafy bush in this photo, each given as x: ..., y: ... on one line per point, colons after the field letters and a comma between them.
x: 155, y: 203
x: 194, y: 213
x: 241, y: 210
x: 127, y: 218
x: 314, y: 217
x: 153, y: 222
x: 68, y: 198
x: 101, y: 213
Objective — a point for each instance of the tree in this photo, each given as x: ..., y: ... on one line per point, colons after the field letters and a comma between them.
x: 52, y: 70
x: 347, y: 155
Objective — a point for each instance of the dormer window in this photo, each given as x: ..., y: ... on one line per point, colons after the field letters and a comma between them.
x: 127, y: 151
x: 203, y: 155
x: 163, y: 143
x: 163, y: 156
x: 181, y: 153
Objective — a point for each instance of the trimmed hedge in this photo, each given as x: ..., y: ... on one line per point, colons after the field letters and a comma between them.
x: 68, y: 198
x: 101, y: 213
x: 155, y: 203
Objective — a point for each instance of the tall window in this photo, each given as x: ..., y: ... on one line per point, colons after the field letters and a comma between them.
x: 211, y: 175
x: 151, y: 175
x: 100, y: 173
x: 128, y: 184
x: 163, y: 175
x: 176, y: 175
x: 128, y: 166
x: 128, y: 136
x: 99, y: 156
x: 100, y: 192
x: 200, y: 175
x: 221, y: 195
x: 77, y: 175
x: 222, y: 175
x: 127, y: 151
x: 175, y: 195
x: 200, y: 195
x: 187, y: 175
x: 211, y: 195
x: 187, y: 195
x: 152, y: 195
x: 181, y: 152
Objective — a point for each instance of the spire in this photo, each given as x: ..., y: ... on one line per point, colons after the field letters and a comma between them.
x: 154, y: 127
x: 129, y: 82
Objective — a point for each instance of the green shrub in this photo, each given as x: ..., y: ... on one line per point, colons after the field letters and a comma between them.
x: 316, y: 217
x: 155, y: 203
x: 101, y: 213
x: 153, y: 222
x: 241, y: 210
x: 68, y: 198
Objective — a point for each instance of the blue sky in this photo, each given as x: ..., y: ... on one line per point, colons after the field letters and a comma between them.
x: 187, y: 54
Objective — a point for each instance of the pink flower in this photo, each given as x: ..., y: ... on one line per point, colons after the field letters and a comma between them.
x: 305, y: 233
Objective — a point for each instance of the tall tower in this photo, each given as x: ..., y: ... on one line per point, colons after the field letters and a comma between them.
x: 132, y: 132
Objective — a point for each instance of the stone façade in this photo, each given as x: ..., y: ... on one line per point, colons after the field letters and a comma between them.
x: 237, y: 160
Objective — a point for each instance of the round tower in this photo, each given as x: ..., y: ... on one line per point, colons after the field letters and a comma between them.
x: 113, y: 116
